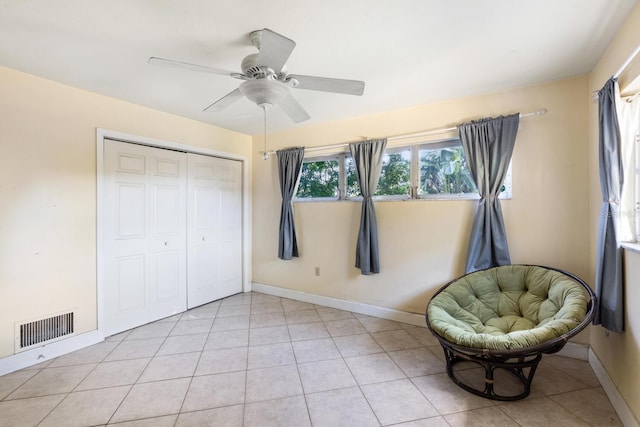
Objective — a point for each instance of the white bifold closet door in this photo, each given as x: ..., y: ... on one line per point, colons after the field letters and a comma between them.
x: 214, y: 223
x: 172, y: 232
x: 144, y: 233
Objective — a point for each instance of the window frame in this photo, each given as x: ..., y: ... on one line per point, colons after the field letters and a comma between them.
x: 449, y: 143
x: 414, y: 177
x: 384, y: 197
x: 314, y: 159
x: 408, y: 196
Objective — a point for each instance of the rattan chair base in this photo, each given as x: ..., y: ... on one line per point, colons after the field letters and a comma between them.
x: 522, y: 369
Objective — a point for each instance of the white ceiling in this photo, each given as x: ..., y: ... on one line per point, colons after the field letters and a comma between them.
x: 409, y: 52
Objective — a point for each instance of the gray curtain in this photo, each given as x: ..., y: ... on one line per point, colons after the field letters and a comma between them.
x: 289, y: 165
x: 488, y: 145
x: 367, y: 157
x: 609, y: 284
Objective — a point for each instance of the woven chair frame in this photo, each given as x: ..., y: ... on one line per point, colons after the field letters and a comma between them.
x: 521, y: 363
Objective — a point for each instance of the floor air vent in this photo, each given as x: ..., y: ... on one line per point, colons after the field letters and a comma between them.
x: 42, y: 331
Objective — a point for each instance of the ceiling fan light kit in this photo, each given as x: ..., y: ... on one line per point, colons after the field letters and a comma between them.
x: 266, y: 81
x: 263, y: 91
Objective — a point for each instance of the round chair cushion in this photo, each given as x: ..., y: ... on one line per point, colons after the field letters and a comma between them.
x: 507, y: 307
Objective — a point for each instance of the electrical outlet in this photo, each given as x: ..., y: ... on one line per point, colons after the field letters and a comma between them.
x: 317, y: 271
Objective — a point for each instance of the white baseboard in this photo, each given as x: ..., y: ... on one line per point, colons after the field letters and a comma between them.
x: 575, y: 350
x: 617, y: 401
x: 356, y: 307
x: 47, y: 352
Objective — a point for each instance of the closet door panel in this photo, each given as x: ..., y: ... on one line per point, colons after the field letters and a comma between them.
x: 230, y: 227
x: 144, y: 233
x: 129, y: 283
x: 214, y: 203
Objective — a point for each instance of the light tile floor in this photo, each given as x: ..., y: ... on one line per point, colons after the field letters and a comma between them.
x: 259, y: 360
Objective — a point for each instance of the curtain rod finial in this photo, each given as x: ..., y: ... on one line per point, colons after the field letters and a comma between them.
x: 540, y: 112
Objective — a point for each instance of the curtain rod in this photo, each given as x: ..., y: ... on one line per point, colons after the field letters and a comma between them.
x: 627, y: 62
x: 428, y: 132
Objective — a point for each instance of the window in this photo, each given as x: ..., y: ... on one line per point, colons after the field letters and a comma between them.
x: 629, y: 122
x: 427, y: 171
x: 319, y: 179
x: 395, y: 175
x: 444, y: 173
x: 352, y: 188
x: 444, y: 170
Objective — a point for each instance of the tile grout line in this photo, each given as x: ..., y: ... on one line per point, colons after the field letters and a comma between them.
x: 4, y: 399
x: 295, y: 359
x: 246, y: 367
x: 156, y: 354
x: 143, y: 370
x: 195, y: 368
x: 509, y: 416
x: 76, y: 386
x: 354, y: 377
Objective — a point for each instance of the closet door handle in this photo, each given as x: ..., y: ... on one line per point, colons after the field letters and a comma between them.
x: 165, y: 243
x: 203, y: 238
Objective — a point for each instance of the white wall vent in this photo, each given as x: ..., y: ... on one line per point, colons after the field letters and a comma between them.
x: 43, y: 331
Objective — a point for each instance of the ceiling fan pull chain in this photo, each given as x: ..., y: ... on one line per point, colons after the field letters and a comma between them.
x: 265, y: 156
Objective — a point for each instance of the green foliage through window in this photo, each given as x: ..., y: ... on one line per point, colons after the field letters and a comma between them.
x: 353, y: 188
x: 395, y: 176
x: 445, y: 171
x: 319, y: 179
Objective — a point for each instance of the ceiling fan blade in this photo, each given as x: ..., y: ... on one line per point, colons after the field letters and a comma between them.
x: 275, y: 50
x: 225, y: 101
x: 324, y: 84
x: 187, y: 66
x: 293, y: 109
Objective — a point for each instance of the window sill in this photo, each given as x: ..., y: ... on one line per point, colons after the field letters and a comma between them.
x: 316, y: 200
x: 631, y: 246
x: 400, y: 199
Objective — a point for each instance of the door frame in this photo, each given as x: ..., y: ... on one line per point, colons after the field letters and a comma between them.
x: 101, y: 135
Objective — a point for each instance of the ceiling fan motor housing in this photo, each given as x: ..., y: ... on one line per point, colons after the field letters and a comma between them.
x: 252, y: 69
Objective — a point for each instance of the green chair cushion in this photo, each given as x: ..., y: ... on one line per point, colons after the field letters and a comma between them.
x: 508, y: 307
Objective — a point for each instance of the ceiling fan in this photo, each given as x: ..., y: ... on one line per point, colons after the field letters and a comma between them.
x: 266, y: 81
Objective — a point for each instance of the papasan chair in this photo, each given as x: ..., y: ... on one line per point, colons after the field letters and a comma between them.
x: 502, y: 320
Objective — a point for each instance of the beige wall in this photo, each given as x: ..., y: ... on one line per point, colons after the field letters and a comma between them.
x: 619, y: 353
x: 48, y: 191
x: 423, y: 243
